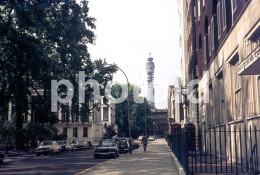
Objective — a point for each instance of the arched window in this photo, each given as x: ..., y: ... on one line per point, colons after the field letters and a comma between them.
x: 214, y: 7
x: 206, y: 51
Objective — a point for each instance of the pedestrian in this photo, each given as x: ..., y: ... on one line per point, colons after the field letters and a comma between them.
x: 144, y: 142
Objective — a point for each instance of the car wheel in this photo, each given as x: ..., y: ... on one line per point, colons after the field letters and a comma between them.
x: 38, y: 154
x: 45, y: 154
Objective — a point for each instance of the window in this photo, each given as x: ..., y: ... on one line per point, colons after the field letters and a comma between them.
x: 64, y: 113
x: 64, y: 132
x: 205, y: 50
x: 234, y: 6
x: 105, y: 114
x: 218, y: 18
x: 236, y: 88
x: 224, y: 14
x: 209, y: 41
x: 212, y: 33
x: 75, y: 132
x: 25, y: 118
x: 238, y: 104
x: 85, y: 132
x: 75, y: 113
x: 198, y: 10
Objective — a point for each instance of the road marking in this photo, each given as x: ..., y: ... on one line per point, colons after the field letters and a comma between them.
x: 93, y: 167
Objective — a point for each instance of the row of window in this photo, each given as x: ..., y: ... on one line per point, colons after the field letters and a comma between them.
x: 75, y: 132
x: 218, y: 22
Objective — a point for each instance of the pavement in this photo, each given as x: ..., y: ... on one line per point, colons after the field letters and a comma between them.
x: 157, y: 160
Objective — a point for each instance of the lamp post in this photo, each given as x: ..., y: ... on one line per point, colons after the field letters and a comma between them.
x: 129, y: 112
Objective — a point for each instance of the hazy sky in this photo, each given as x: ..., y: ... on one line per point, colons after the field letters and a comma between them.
x: 128, y: 30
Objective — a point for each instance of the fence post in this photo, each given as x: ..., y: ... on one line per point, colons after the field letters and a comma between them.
x: 256, y: 150
x: 215, y: 141
x: 246, y: 150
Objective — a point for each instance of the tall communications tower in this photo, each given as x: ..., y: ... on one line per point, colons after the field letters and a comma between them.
x: 150, y: 79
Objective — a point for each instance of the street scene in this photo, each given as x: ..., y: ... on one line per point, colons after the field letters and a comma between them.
x: 156, y: 160
x: 130, y: 87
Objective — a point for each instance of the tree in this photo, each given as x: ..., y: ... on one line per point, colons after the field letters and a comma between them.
x: 137, y: 114
x: 42, y: 41
x: 110, y: 131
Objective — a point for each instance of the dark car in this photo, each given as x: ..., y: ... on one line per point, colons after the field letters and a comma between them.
x: 106, y: 148
x: 2, y: 156
x: 123, y: 145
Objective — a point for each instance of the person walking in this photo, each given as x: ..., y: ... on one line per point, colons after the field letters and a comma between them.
x: 144, y: 142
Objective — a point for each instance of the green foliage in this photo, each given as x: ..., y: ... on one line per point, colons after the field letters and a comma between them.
x: 39, y: 131
x: 7, y: 134
x: 138, y: 112
x: 110, y: 131
x: 42, y: 41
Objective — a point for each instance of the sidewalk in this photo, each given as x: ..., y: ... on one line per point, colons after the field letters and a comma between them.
x: 156, y: 160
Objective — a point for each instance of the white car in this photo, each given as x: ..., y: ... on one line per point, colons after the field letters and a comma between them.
x: 151, y: 138
x: 48, y: 147
x: 140, y: 138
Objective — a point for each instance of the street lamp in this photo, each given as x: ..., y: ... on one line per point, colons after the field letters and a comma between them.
x: 129, y: 112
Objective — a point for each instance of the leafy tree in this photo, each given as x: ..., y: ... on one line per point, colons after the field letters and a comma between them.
x: 42, y: 41
x: 7, y: 134
x: 110, y: 131
x: 138, y: 112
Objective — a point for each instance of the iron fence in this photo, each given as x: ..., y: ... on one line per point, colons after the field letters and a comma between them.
x: 217, y: 150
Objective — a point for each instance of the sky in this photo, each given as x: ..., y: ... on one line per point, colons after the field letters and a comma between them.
x: 128, y: 30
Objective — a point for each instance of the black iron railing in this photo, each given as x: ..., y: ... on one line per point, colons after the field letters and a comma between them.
x: 217, y: 151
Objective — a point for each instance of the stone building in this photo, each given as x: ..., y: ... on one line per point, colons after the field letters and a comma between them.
x: 91, y: 129
x: 228, y: 39
x: 70, y: 124
x: 160, y: 122
x: 175, y: 109
x: 220, y: 43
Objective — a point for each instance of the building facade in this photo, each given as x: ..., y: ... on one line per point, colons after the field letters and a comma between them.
x: 228, y: 40
x: 71, y: 125
x: 175, y: 107
x: 91, y: 129
x: 160, y: 122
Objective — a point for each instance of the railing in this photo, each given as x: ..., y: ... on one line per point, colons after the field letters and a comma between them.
x: 219, y: 150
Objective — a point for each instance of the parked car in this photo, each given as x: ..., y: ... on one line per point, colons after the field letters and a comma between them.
x: 135, y: 145
x: 140, y: 138
x: 106, y: 147
x: 151, y: 138
x: 65, y: 146
x: 47, y: 147
x: 123, y: 145
x: 81, y: 145
x: 2, y: 156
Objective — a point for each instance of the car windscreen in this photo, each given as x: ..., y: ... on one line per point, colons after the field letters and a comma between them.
x: 122, y: 142
x: 61, y: 142
x: 45, y: 143
x: 107, y: 143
